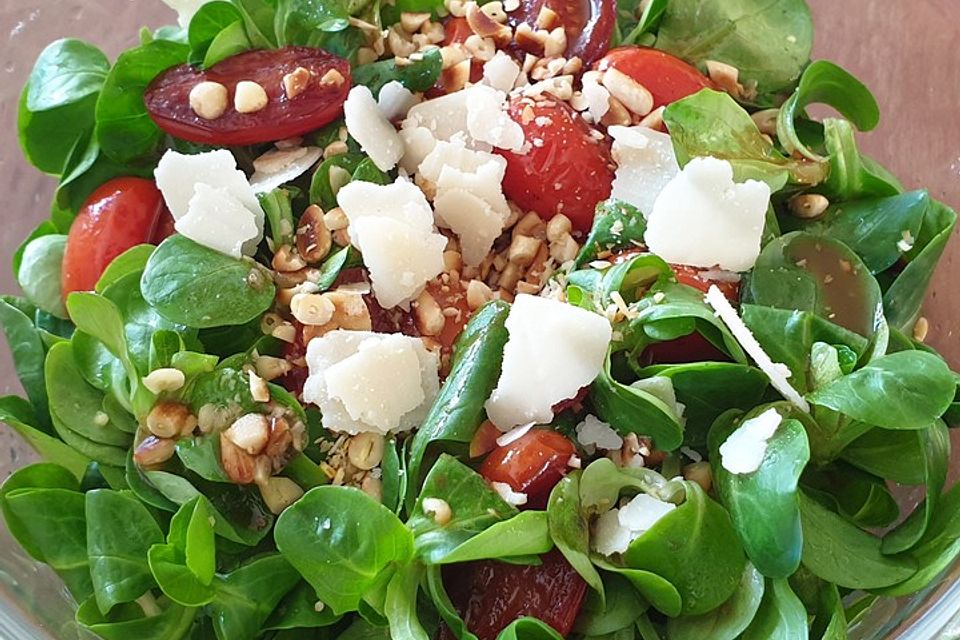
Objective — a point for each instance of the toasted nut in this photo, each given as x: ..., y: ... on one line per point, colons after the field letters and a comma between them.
x: 560, y: 87
x: 312, y: 308
x: 213, y: 417
x: 365, y: 450
x: 399, y: 42
x: 808, y: 206
x: 285, y: 332
x: 631, y: 93
x: 332, y: 78
x: 511, y: 5
x: 209, y: 100
x: 457, y: 76
x: 170, y: 419
x: 287, y: 260
x: 495, y: 11
x: 616, y: 114
x: 654, y: 119
x: 523, y: 249
x: 558, y: 226
x: 350, y: 311
x: 289, y: 143
x: 153, y: 451
x: 456, y: 8
x: 486, y: 27
x: 259, y: 390
x: 240, y: 466
x: 411, y: 22
x: 366, y: 55
x: 280, y: 442
x: 555, y: 43
x: 313, y: 237
x: 509, y: 277
x: 547, y: 18
x: 530, y: 225
x: 249, y: 97
x: 920, y: 329
x: 373, y: 487
x: 766, y: 121
x: 700, y: 473
x: 478, y: 294
x: 529, y: 40
x: 434, y: 32
x: 335, y: 148
x: 165, y: 379
x: 269, y: 322
x: 250, y: 432
x: 279, y: 493
x: 296, y: 82
x: 564, y: 249
x: 336, y: 219
x: 528, y: 287
x: 726, y: 76
x: 427, y: 314
x: 483, y: 49
x: 271, y: 368
x: 452, y: 261
x: 438, y: 508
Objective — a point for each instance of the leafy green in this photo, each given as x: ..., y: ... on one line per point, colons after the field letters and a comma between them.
x: 247, y: 595
x: 654, y: 589
x: 570, y: 529
x: 120, y: 531
x: 26, y: 347
x: 769, y: 42
x: 417, y: 76
x: 852, y: 175
x: 616, y: 224
x: 183, y: 567
x: 125, y: 131
x: 860, y: 496
x: 763, y: 504
x: 17, y: 413
x: 523, y: 536
x: 528, y: 629
x: 39, y: 273
x: 894, y: 455
x: 781, y: 615
x: 196, y: 286
x: 342, y: 542
x: 601, y: 615
x: 602, y: 482
x: 727, y: 621
x: 400, y: 606
x: 208, y: 26
x: 131, y: 620
x: 298, y: 610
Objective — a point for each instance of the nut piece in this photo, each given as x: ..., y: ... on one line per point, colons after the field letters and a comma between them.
x: 766, y: 121
x: 211, y: 417
x: 209, y: 100
x: 332, y: 78
x: 249, y: 97
x: 920, y: 329
x: 438, y: 508
x: 271, y: 368
x: 486, y: 27
x: 555, y: 43
x: 258, y: 388
x: 726, y: 76
x: 373, y: 487
x: 250, y: 432
x: 296, y: 82
x: 628, y: 91
x: 312, y: 308
x: 287, y: 260
x: 170, y: 419
x: 808, y: 206
x: 313, y: 237
x: 428, y: 315
x: 411, y: 22
x: 240, y: 466
x: 478, y: 294
x: 365, y: 450
x: 700, y: 473
x: 564, y: 249
x: 558, y: 226
x: 336, y: 219
x: 166, y: 379
x: 153, y: 451
x: 523, y: 249
x: 279, y: 493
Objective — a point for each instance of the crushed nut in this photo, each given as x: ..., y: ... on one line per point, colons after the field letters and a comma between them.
x: 411, y: 22
x: 332, y: 78
x: 249, y: 97
x: 654, y: 119
x: 399, y: 42
x: 558, y: 226
x: 335, y: 219
x: 286, y: 259
x: 153, y: 451
x: 483, y: 49
x: 920, y: 329
x: 766, y: 121
x: 365, y: 450
x: 523, y: 249
x: 628, y: 91
x: 312, y: 308
x: 373, y: 487
x: 296, y: 82
x: 485, y: 26
x: 438, y: 509
x: 700, y: 473
x: 564, y: 249
x: 271, y: 368
x: 212, y: 417
x: 209, y: 100
x: 531, y: 225
x: 428, y: 315
x: 250, y: 432
x: 164, y: 379
x: 457, y: 76
x: 240, y: 466
x: 285, y: 332
x: 170, y: 419
x: 279, y: 493
x: 495, y: 11
x: 555, y: 43
x: 808, y: 206
x: 259, y: 390
x: 725, y: 76
x: 617, y: 114
x: 313, y: 237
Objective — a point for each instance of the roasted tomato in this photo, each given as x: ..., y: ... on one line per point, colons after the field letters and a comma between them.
x: 490, y: 595
x: 567, y: 170
x: 693, y: 347
x: 666, y: 77
x: 531, y: 464
x: 319, y: 102
x: 120, y: 214
x: 588, y: 24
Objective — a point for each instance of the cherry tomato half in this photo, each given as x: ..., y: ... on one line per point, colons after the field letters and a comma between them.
x: 565, y: 171
x: 531, y: 464
x: 666, y: 77
x: 588, y: 24
x: 490, y: 595
x: 168, y: 97
x: 120, y: 214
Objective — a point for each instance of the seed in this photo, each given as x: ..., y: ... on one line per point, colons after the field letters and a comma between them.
x: 209, y: 100
x: 313, y: 237
x: 296, y: 82
x: 165, y: 379
x: 312, y: 308
x: 438, y: 508
x: 808, y: 206
x: 920, y: 329
x: 365, y: 450
x: 258, y: 388
x: 249, y: 97
x: 153, y: 451
x: 169, y: 419
x: 250, y: 432
x: 279, y: 493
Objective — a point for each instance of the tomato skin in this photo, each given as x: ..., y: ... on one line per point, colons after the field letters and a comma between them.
x: 666, y: 77
x: 456, y: 30
x: 569, y: 173
x: 120, y: 214
x: 694, y: 277
x: 490, y: 595
x: 589, y: 24
x: 532, y: 464
x: 167, y: 97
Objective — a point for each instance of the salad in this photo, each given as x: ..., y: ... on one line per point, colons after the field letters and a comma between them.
x: 513, y: 320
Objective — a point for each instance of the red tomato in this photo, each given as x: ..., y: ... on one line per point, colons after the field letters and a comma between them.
x: 694, y: 277
x: 456, y: 31
x: 167, y: 97
x: 490, y: 595
x: 565, y: 171
x: 531, y: 464
x: 666, y: 77
x: 120, y: 214
x: 588, y: 24
x: 485, y: 439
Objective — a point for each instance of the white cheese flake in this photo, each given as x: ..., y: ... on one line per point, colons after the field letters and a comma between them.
x: 615, y: 529
x: 593, y: 432
x: 418, y: 142
x: 476, y: 224
x: 367, y: 125
x: 778, y: 373
x: 609, y: 536
x: 743, y: 451
x: 218, y: 220
x: 501, y: 71
x: 509, y: 496
x: 488, y: 120
x: 185, y: 9
x: 554, y: 349
x: 395, y: 100
x: 704, y: 219
x: 645, y: 165
x: 278, y: 167
x: 444, y: 117
x: 402, y: 201
x: 597, y: 98
x: 370, y: 382
x: 514, y: 434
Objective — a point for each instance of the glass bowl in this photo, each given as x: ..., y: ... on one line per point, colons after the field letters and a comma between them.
x: 905, y: 52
